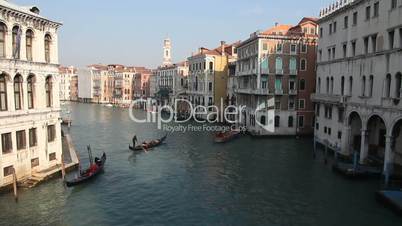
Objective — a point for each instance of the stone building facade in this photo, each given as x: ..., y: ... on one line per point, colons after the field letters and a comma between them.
x: 30, y: 133
x: 358, y: 95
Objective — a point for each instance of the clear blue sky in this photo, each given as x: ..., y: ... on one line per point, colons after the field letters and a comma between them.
x: 131, y: 32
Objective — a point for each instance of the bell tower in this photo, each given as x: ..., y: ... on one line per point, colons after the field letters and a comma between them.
x: 167, y: 54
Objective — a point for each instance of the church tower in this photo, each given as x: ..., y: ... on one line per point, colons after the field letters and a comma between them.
x: 167, y: 54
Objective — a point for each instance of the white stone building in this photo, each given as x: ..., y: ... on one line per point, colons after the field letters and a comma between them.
x: 30, y: 133
x: 358, y: 94
x: 85, y: 85
x: 66, y: 74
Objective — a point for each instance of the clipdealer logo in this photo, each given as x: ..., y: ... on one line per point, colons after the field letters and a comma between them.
x: 203, y: 114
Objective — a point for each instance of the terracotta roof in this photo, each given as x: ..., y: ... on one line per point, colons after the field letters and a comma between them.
x: 218, y: 50
x: 279, y: 29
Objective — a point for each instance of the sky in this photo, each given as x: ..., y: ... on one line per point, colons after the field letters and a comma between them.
x: 131, y: 32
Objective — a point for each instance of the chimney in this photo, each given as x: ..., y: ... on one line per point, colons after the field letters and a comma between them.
x: 223, y: 43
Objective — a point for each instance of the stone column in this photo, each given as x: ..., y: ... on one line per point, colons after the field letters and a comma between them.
x: 389, y: 156
x: 363, y: 146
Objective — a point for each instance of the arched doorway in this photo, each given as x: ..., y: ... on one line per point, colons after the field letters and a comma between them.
x: 355, y: 124
x: 376, y: 132
x: 396, y: 148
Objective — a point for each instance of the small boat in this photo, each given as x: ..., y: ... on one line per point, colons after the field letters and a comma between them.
x: 90, y: 173
x: 109, y: 105
x: 149, y: 144
x: 223, y: 137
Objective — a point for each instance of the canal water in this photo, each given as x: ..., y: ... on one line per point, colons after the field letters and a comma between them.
x: 192, y: 181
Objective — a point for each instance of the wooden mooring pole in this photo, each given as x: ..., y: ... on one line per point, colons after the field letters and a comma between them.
x: 15, y: 187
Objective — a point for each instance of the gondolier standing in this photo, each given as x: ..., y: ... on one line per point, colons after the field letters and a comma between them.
x: 134, y: 140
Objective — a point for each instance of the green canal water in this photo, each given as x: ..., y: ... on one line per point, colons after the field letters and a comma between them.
x: 191, y: 181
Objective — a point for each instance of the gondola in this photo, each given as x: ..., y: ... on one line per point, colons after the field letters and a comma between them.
x: 149, y: 144
x: 224, y: 137
x: 87, y: 175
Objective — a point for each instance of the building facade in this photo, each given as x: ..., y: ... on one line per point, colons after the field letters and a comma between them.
x: 29, y: 92
x: 66, y: 74
x: 359, y: 70
x: 278, y: 64
x: 208, y: 75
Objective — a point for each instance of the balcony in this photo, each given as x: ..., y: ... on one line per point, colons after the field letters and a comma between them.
x: 292, y: 92
x: 279, y: 71
x: 278, y: 91
x: 253, y: 91
x: 329, y: 99
x: 293, y: 72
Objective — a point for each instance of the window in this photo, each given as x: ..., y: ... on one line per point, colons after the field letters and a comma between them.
x: 334, y: 29
x: 264, y: 82
x: 300, y: 121
x: 291, y: 104
x: 3, y: 93
x: 317, y: 110
x: 304, y: 48
x: 329, y: 54
x: 290, y: 122
x: 317, y: 126
x: 16, y: 38
x: 341, y: 113
x: 330, y: 28
x: 33, y: 140
x: 355, y: 15
x: 350, y: 86
x: 48, y: 88
x: 211, y: 66
x: 374, y: 43
x: 265, y: 46
x: 303, y: 64
x: 319, y: 85
x: 376, y: 9
x: 210, y: 86
x: 333, y: 53
x: 277, y: 104
x: 28, y: 39
x: 292, y: 65
x: 353, y: 48
x: 6, y: 143
x: 339, y: 135
x: 368, y: 12
x: 263, y: 120
x: 393, y: 4
x: 48, y: 41
x: 343, y: 86
x: 51, y: 133
x: 312, y: 31
x: 321, y: 32
x: 302, y: 104
x: 277, y: 121
x: 332, y: 85
x: 291, y: 85
x: 325, y: 129
x: 366, y: 45
x: 279, y: 48
x: 371, y: 84
x: 391, y: 37
x: 320, y: 54
x: 278, y: 65
x: 398, y: 86
x: 329, y: 131
x: 3, y: 31
x: 400, y: 37
x: 302, y: 85
x: 346, y: 22
x: 388, y: 86
x: 21, y: 140
x: 327, y: 85
x: 363, y: 86
x: 52, y: 156
x: 34, y: 162
x: 345, y: 50
x: 293, y: 48
x: 8, y: 171
x: 18, y: 92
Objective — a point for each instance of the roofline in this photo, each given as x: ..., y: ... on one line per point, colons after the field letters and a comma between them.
x: 340, y: 10
x: 30, y: 15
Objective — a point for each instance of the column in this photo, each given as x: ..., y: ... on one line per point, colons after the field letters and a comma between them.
x: 363, y: 146
x: 389, y: 157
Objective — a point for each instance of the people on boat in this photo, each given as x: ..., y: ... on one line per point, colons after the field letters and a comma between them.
x: 134, y: 140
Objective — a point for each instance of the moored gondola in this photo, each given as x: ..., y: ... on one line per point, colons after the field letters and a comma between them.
x: 86, y: 175
x: 223, y: 137
x: 146, y: 145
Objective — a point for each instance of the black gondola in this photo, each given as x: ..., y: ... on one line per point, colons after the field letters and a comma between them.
x: 86, y: 175
x: 148, y: 145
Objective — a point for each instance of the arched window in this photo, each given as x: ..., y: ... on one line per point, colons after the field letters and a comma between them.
x: 263, y: 120
x: 371, y: 85
x: 30, y: 88
x: 3, y: 31
x: 388, y: 86
x: 292, y: 64
x: 3, y: 93
x: 302, y: 85
x: 277, y: 121
x: 350, y: 86
x: 16, y: 42
x: 363, y: 86
x: 48, y: 88
x: 211, y: 66
x: 29, y: 38
x: 48, y: 41
x: 398, y: 85
x: 18, y: 92
x: 290, y: 122
x: 319, y: 85
x: 303, y: 64
x: 343, y: 85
